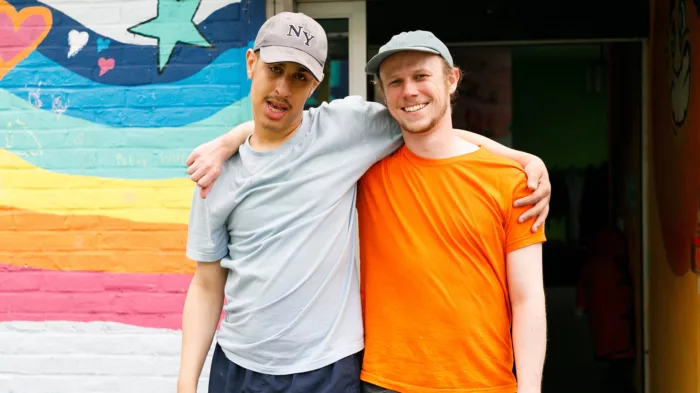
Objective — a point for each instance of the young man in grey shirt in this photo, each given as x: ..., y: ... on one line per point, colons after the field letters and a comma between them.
x: 275, y: 236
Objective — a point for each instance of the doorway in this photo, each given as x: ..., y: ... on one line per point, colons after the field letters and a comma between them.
x: 344, y: 23
x: 578, y: 107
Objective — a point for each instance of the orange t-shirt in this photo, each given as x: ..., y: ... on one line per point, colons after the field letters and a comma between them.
x: 434, y: 235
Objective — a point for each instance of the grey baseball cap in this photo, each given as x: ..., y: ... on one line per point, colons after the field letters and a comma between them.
x: 419, y: 40
x: 293, y: 37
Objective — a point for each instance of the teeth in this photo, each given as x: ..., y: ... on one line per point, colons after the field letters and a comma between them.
x: 415, y: 107
x: 275, y: 109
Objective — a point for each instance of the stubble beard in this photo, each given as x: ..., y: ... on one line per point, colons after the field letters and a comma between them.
x: 433, y: 122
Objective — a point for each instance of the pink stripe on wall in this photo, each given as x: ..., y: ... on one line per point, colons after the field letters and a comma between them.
x: 147, y: 300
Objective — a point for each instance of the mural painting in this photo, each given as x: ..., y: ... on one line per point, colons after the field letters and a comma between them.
x: 676, y: 129
x: 100, y: 104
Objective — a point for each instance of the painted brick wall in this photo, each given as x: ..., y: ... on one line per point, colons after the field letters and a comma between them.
x: 100, y: 104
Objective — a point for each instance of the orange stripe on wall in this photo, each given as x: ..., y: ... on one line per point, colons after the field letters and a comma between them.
x: 91, y: 243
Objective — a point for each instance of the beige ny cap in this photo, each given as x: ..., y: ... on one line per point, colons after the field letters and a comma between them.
x: 293, y: 37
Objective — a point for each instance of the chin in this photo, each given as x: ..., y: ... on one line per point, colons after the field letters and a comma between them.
x: 417, y: 129
x: 417, y: 126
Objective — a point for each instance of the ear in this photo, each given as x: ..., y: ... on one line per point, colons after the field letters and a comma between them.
x: 453, y: 79
x: 315, y: 85
x: 251, y: 58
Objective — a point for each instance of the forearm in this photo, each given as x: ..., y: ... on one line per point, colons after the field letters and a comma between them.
x: 233, y: 139
x: 520, y: 157
x: 529, y: 342
x: 200, y: 317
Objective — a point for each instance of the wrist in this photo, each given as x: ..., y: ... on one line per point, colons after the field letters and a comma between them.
x: 526, y: 159
x: 230, y: 142
x: 186, y: 384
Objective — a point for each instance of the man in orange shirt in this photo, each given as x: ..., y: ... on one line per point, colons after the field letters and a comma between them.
x: 451, y: 281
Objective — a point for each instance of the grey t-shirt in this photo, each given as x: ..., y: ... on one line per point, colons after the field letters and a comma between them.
x: 283, y: 222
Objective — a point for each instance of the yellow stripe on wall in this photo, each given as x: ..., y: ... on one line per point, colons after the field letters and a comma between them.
x: 24, y: 186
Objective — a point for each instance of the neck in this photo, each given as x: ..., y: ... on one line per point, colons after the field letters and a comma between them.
x: 439, y: 142
x: 264, y: 139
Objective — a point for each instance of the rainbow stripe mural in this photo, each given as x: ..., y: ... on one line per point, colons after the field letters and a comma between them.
x: 100, y: 104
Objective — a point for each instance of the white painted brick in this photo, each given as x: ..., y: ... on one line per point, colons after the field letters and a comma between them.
x: 90, y: 384
x: 125, y: 365
x: 166, y: 344
x: 94, y: 357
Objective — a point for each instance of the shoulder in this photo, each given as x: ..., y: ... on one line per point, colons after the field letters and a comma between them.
x: 357, y: 118
x: 389, y: 167
x: 352, y: 110
x: 348, y: 104
x: 500, y: 166
x: 502, y: 177
x: 221, y: 188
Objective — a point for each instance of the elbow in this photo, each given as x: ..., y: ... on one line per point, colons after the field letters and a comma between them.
x: 529, y: 298
x: 209, y: 279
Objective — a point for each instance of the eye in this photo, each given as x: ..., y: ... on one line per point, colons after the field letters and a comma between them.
x: 420, y: 77
x: 275, y: 69
x: 300, y: 77
x: 395, y: 82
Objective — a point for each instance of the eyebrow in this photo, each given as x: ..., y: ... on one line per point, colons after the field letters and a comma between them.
x: 416, y: 71
x: 281, y: 64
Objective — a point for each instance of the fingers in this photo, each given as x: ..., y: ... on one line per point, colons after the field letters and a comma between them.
x: 207, y: 180
x: 540, y: 219
x: 192, y: 158
x: 533, y: 198
x: 533, y: 180
x: 198, y: 174
x: 192, y: 168
x: 204, y: 192
x: 528, y: 200
x: 535, y: 211
x: 534, y: 175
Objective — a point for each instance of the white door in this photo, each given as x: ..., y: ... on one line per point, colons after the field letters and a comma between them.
x: 345, y: 25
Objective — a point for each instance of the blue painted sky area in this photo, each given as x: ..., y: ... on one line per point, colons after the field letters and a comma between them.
x: 55, y: 89
x: 64, y: 144
x: 224, y: 29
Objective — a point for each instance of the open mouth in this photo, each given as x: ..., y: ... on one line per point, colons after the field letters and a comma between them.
x: 414, y: 108
x: 277, y: 107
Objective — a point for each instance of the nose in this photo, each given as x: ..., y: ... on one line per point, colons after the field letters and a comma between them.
x: 410, y: 89
x: 283, y: 88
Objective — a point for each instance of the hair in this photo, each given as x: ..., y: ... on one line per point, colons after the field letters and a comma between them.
x: 447, y: 72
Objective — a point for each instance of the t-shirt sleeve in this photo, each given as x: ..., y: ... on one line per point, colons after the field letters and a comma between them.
x: 367, y: 122
x: 520, y: 235
x: 207, y: 233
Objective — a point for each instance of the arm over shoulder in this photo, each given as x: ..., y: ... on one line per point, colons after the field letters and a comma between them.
x: 365, y: 122
x: 518, y: 234
x: 207, y: 233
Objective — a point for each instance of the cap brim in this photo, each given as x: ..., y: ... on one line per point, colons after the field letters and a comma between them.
x: 281, y: 54
x: 372, y: 67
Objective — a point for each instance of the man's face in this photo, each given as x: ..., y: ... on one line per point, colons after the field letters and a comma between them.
x: 417, y: 89
x: 278, y: 92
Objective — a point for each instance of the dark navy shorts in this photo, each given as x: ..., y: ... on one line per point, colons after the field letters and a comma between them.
x: 342, y: 376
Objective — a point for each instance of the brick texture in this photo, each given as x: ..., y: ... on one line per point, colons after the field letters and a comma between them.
x: 96, y: 123
x: 99, y: 357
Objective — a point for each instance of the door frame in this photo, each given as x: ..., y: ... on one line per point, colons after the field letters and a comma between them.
x: 356, y: 14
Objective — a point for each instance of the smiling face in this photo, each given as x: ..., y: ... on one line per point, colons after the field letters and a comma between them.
x: 417, y: 88
x: 278, y: 92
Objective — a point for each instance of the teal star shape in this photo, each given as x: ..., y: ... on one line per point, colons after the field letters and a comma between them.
x: 172, y: 24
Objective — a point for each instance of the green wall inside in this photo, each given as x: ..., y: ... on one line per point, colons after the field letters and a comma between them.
x: 559, y: 102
